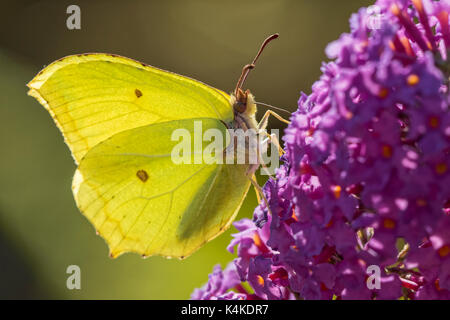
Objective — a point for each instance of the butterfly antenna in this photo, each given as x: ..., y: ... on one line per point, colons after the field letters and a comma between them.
x: 248, y: 67
x: 272, y: 107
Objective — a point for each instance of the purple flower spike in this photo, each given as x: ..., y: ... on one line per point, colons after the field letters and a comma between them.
x: 360, y: 209
x: 219, y: 284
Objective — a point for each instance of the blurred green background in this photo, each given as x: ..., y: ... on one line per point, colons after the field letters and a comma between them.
x: 41, y: 230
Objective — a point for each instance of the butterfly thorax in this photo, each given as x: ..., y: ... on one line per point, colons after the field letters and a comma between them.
x: 244, y: 108
x: 244, y: 122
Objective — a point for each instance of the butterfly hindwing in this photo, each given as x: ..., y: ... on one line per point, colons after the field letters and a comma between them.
x: 139, y: 200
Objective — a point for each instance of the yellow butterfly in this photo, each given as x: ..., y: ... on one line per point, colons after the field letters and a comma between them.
x: 117, y: 116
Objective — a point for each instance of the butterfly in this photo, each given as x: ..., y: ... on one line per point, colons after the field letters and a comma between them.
x: 117, y: 116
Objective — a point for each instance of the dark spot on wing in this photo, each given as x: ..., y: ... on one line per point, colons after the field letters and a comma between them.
x: 142, y: 175
x: 138, y: 93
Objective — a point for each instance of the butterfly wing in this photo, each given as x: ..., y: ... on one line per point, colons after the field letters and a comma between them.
x: 94, y: 96
x: 139, y: 200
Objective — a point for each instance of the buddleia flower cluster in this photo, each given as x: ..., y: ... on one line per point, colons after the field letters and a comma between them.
x: 366, y: 176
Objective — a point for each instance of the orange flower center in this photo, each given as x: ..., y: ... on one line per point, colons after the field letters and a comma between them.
x: 444, y: 251
x: 389, y: 223
x: 413, y: 79
x: 337, y: 191
x: 441, y: 168
x: 294, y: 216
x: 433, y: 122
x: 257, y: 239
x: 421, y: 202
x: 260, y: 280
x: 386, y: 151
x: 383, y: 93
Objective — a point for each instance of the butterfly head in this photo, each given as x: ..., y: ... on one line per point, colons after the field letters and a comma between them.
x: 243, y: 102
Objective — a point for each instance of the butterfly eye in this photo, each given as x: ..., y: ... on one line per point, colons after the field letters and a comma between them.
x: 240, y: 106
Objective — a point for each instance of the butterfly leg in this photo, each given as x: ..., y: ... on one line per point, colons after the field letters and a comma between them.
x: 267, y: 172
x: 258, y: 190
x: 264, y: 120
x: 272, y: 137
x: 258, y: 197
